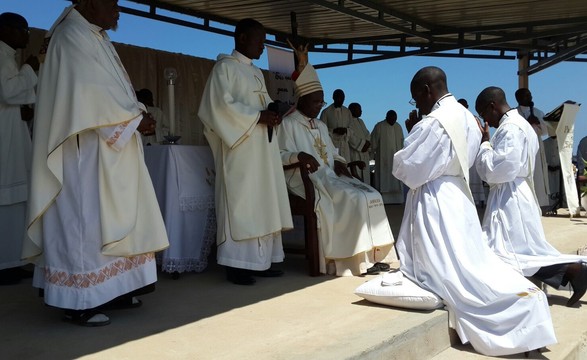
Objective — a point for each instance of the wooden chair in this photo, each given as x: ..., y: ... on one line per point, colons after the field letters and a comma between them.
x: 305, y: 208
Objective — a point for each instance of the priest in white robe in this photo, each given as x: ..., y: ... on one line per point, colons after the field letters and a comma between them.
x: 93, y: 218
x: 145, y: 96
x: 387, y: 139
x: 338, y: 119
x: 252, y: 207
x: 17, y: 92
x: 353, y: 229
x: 506, y: 163
x: 535, y: 117
x: 360, y: 142
x: 440, y: 243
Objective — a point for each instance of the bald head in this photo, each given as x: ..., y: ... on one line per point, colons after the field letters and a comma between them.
x: 524, y: 97
x: 427, y: 86
x: 432, y: 76
x: 14, y: 30
x: 491, y: 105
x: 356, y: 109
x: 102, y: 13
x: 391, y: 117
x: 9, y: 19
x: 488, y: 95
x: 338, y: 97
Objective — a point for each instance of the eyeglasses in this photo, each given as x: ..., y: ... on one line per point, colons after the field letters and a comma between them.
x: 412, y: 102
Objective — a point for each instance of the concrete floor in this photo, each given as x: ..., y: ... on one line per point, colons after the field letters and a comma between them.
x: 201, y: 316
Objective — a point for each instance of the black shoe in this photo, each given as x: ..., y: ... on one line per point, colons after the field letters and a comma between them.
x: 239, y: 276
x: 268, y: 273
x: 579, y: 284
x: 377, y: 268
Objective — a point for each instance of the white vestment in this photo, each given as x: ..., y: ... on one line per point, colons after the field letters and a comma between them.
x: 252, y: 207
x: 359, y: 135
x: 541, y: 185
x: 512, y: 223
x: 16, y: 89
x: 340, y: 117
x: 440, y: 244
x: 386, y: 140
x: 161, y: 127
x: 93, y: 217
x: 352, y: 221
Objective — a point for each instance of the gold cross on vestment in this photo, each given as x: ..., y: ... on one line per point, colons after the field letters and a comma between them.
x: 261, y: 92
x: 321, y: 149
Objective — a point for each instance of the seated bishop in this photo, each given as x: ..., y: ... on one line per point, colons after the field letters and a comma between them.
x: 353, y: 229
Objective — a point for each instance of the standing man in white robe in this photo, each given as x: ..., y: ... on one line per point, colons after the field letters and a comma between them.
x: 536, y: 118
x: 252, y: 207
x: 506, y: 164
x: 145, y: 96
x: 440, y: 243
x: 17, y: 92
x: 338, y: 118
x: 387, y: 139
x: 359, y: 142
x: 353, y: 229
x: 93, y: 218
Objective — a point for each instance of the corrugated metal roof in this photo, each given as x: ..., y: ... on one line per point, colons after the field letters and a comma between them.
x: 393, y: 28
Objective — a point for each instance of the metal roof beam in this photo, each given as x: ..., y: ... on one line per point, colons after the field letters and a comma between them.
x: 154, y: 16
x: 480, y: 29
x: 436, y: 47
x: 341, y: 8
x: 189, y: 24
x: 394, y: 13
x: 557, y: 58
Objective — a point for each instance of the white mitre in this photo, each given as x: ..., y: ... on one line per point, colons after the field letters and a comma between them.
x: 307, y: 82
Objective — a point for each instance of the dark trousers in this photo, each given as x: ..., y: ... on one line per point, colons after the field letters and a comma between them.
x: 552, y: 275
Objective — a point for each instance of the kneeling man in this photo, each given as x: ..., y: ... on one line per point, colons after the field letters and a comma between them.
x: 512, y: 220
x: 354, y: 231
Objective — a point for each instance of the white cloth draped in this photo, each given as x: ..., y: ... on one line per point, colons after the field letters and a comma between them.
x: 183, y: 178
x: 351, y: 215
x: 340, y: 117
x: 16, y: 89
x: 84, y: 87
x: 73, y: 270
x: 490, y: 305
x: 511, y: 224
x: 248, y: 166
x: 93, y: 218
x: 386, y: 140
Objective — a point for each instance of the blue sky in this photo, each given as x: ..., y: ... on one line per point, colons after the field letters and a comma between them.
x: 377, y: 86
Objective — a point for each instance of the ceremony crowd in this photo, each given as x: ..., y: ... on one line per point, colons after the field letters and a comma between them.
x: 77, y: 201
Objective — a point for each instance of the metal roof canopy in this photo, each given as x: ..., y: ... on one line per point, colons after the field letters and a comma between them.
x: 546, y: 32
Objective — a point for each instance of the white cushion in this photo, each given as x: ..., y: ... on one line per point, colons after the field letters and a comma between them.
x: 394, y: 289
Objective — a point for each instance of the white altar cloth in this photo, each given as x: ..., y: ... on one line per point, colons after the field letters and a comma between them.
x: 183, y: 178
